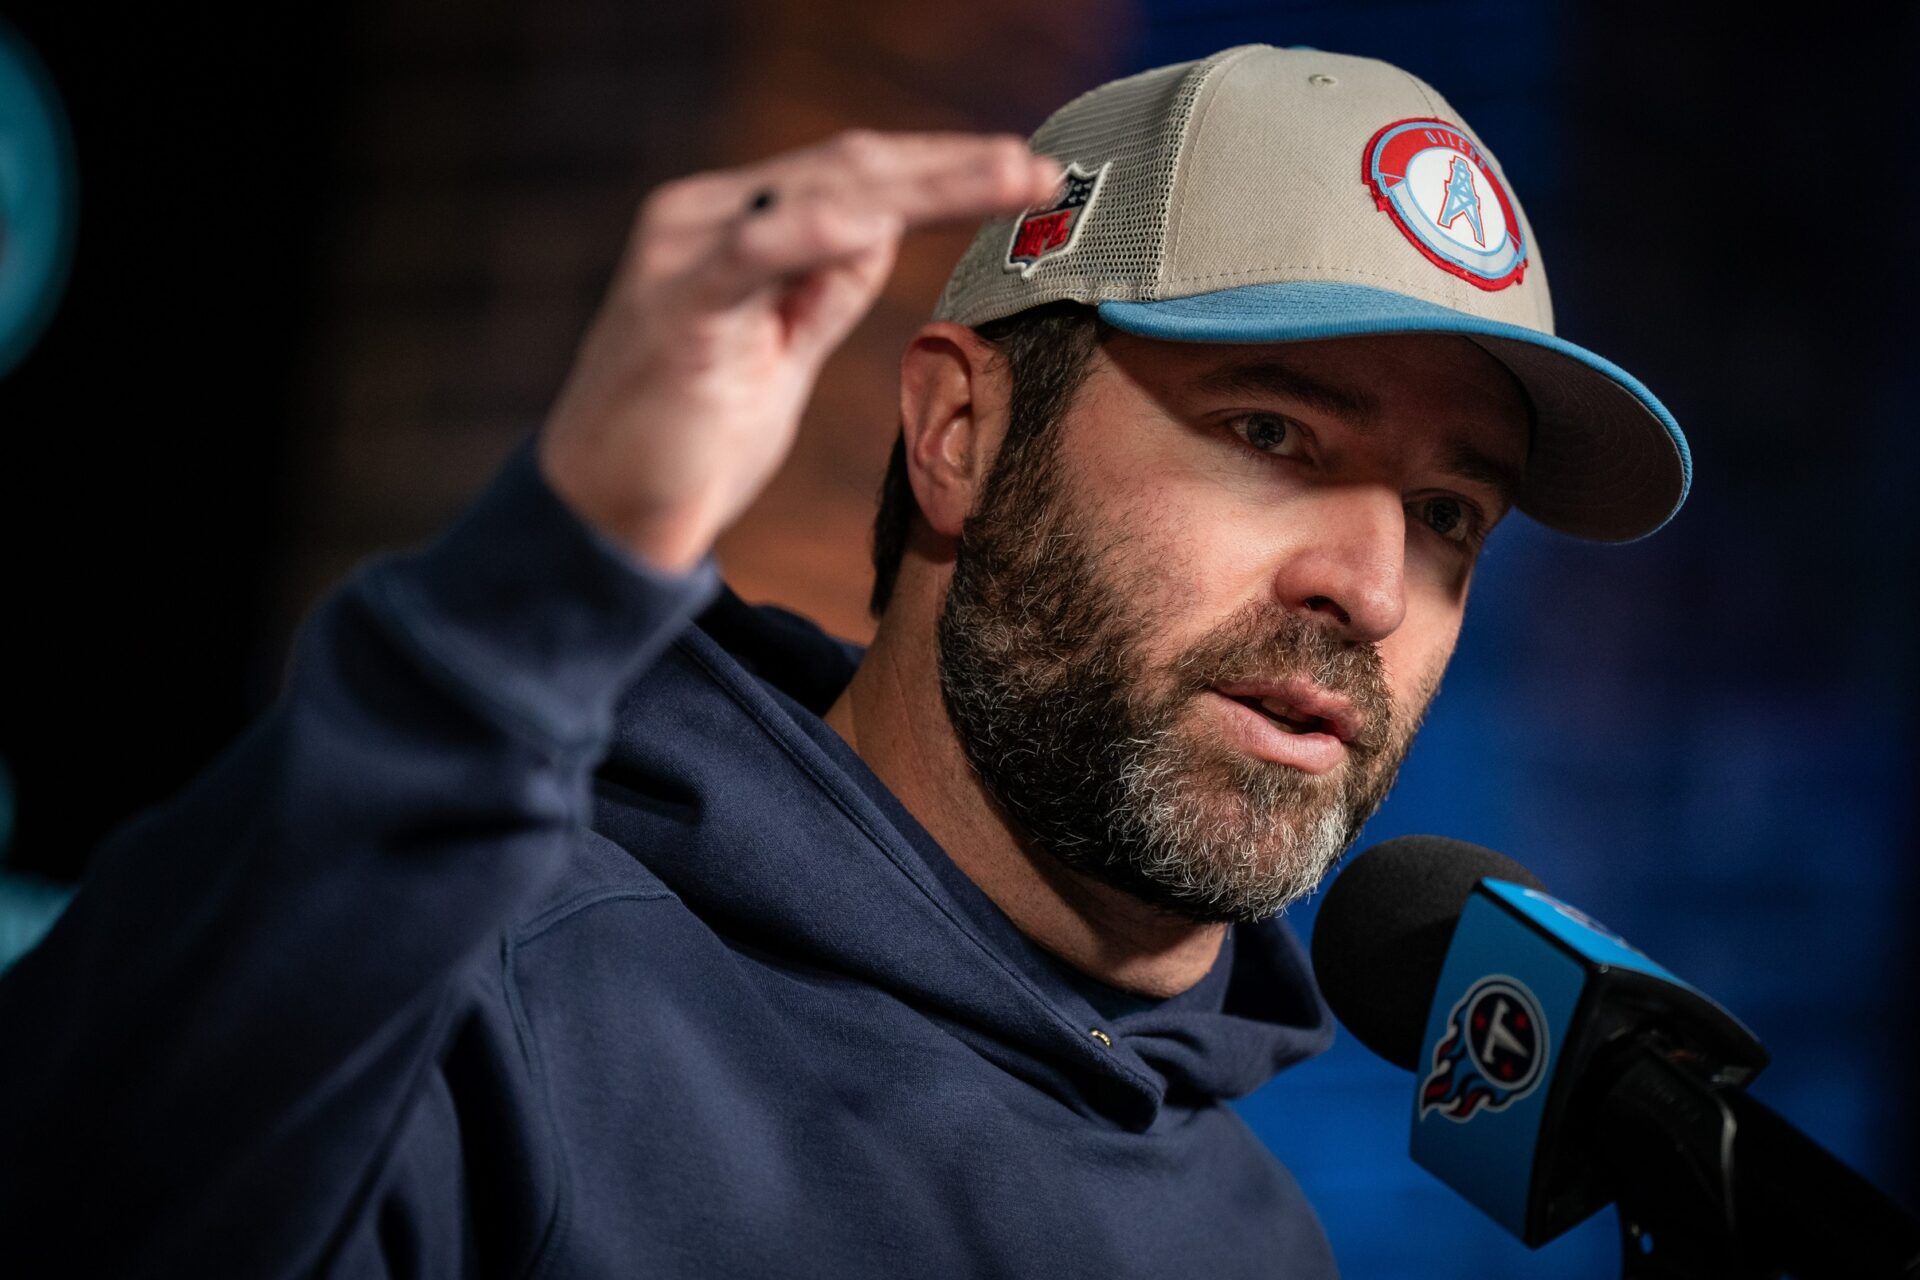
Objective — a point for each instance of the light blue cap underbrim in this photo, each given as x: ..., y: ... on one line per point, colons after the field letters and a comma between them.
x: 1608, y: 462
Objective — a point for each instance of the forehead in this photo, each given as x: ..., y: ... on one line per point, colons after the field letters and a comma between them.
x: 1436, y: 385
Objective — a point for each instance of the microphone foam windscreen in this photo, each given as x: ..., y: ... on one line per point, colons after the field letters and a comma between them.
x: 1383, y: 932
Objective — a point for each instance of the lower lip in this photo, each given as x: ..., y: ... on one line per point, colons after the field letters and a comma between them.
x: 1308, y: 752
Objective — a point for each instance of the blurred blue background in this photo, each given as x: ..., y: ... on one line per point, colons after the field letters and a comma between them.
x: 1705, y: 739
x: 331, y: 262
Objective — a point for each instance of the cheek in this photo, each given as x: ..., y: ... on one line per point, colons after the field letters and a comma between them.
x: 1187, y: 554
x: 1437, y: 573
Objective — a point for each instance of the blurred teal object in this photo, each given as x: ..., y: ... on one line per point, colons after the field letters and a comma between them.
x: 28, y: 904
x: 28, y: 908
x: 37, y: 198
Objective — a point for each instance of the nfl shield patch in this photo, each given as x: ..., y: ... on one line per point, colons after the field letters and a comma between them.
x: 1040, y: 235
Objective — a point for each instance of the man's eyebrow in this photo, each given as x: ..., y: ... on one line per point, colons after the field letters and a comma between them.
x: 1466, y: 462
x: 1273, y: 377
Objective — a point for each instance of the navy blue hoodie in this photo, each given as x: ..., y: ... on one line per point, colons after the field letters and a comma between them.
x: 541, y: 927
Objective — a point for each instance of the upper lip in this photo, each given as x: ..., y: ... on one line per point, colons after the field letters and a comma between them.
x: 1299, y: 698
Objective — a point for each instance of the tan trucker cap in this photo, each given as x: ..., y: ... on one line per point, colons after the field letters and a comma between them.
x: 1275, y: 195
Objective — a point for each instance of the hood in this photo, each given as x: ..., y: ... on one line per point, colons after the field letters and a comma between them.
x: 720, y: 786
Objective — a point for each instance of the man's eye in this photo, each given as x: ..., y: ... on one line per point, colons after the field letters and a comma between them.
x: 1269, y: 433
x: 1452, y: 519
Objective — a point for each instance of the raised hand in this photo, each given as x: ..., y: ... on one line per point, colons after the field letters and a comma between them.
x: 734, y: 287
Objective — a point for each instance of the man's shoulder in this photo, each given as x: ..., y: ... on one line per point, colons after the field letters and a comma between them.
x: 597, y: 871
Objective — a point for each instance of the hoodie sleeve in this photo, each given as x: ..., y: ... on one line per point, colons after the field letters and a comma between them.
x: 203, y: 1062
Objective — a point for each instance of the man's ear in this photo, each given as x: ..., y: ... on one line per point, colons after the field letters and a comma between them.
x: 953, y: 413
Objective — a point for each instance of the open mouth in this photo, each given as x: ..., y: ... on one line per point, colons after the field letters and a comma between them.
x: 1287, y: 719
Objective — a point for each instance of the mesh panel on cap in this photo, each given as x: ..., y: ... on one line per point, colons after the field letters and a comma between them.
x: 1137, y: 124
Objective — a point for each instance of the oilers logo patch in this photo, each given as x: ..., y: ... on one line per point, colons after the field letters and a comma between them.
x: 1039, y: 235
x: 1438, y: 188
x: 1494, y: 1051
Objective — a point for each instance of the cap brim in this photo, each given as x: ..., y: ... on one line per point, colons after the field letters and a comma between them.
x: 1608, y: 462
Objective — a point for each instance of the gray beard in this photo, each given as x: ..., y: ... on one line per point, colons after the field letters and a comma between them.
x: 1043, y: 674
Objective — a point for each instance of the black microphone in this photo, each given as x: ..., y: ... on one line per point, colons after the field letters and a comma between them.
x: 1558, y: 1070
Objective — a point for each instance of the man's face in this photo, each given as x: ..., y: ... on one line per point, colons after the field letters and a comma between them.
x: 1192, y: 628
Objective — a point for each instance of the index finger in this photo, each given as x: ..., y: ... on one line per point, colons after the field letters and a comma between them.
x: 924, y: 178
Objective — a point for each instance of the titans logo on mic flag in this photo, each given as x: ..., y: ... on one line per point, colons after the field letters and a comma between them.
x: 1491, y: 1056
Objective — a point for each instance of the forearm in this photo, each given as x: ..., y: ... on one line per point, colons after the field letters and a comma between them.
x: 233, y: 1012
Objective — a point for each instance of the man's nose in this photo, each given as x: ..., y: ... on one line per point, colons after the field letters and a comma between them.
x: 1351, y: 564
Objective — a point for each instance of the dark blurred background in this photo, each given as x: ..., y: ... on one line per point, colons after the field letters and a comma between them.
x: 330, y: 265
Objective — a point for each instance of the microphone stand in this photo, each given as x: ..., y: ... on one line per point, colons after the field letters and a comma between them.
x: 1711, y: 1185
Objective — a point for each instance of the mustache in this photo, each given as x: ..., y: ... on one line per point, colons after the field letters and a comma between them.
x: 1270, y: 642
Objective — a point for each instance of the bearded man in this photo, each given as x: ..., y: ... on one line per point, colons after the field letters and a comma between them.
x: 566, y: 915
